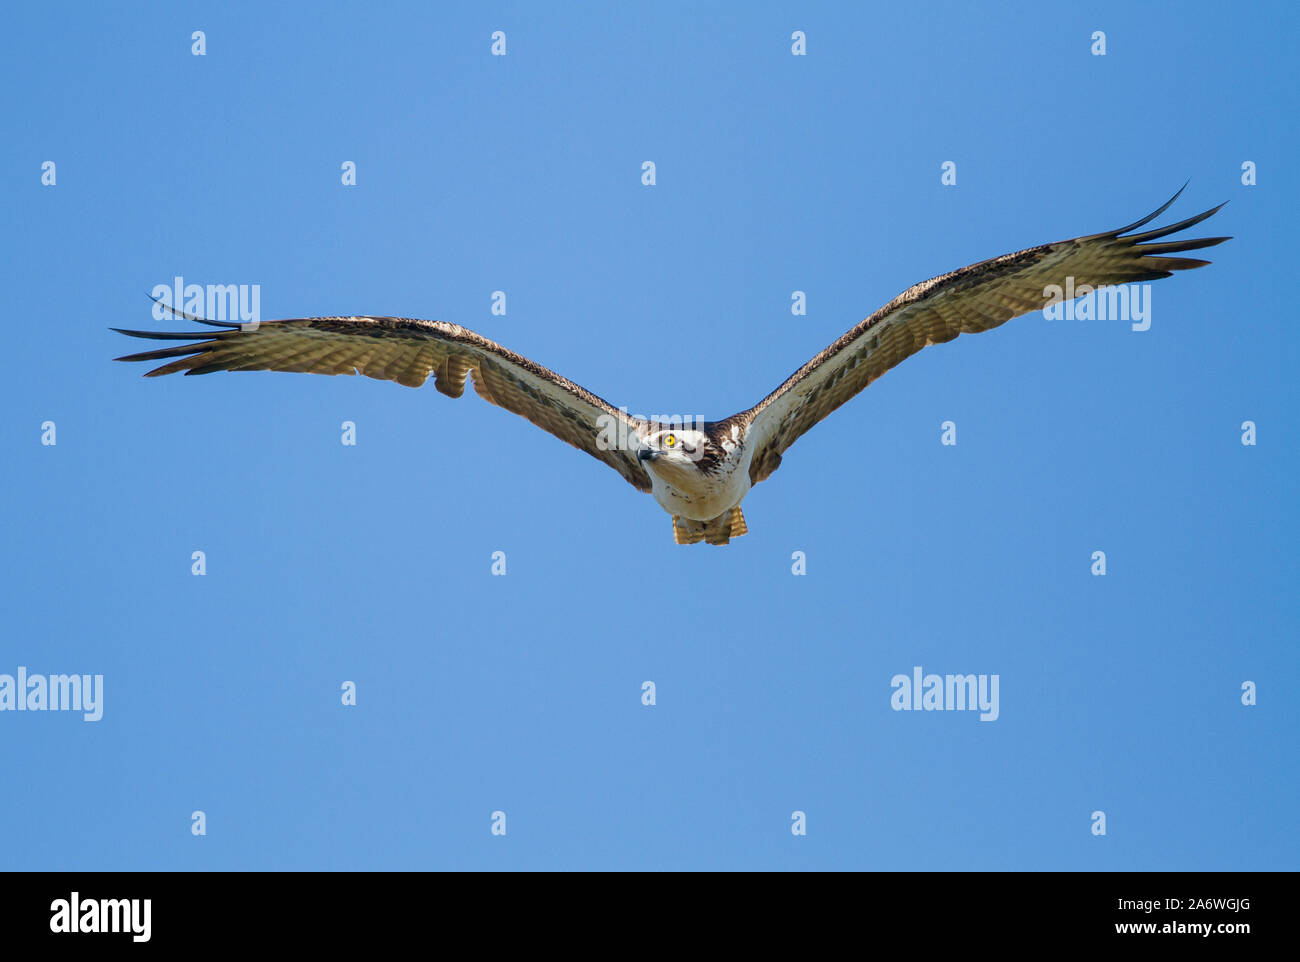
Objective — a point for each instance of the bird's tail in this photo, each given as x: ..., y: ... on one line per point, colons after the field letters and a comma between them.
x: 720, y: 530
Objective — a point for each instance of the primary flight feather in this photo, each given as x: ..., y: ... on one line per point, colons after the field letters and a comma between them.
x: 700, y: 473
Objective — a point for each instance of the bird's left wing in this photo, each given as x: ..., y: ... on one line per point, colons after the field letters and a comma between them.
x: 407, y: 351
x: 975, y: 298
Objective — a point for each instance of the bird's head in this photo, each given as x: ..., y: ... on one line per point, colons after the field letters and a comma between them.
x: 673, y: 450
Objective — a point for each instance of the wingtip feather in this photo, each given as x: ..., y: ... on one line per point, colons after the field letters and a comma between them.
x: 1155, y: 213
x: 175, y: 312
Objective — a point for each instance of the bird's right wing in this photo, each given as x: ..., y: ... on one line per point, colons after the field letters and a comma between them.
x: 407, y: 351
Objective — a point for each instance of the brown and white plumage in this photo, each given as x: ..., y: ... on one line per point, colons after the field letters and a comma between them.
x: 973, y: 299
x: 699, y: 476
x: 408, y: 351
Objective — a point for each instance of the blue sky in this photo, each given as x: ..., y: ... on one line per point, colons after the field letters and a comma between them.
x: 522, y: 694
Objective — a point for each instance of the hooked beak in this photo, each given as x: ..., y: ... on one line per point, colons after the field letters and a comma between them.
x: 646, y: 453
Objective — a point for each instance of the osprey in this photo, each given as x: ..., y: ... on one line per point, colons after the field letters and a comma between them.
x: 699, y: 473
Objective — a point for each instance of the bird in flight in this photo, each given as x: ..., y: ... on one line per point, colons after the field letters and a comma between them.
x: 699, y: 472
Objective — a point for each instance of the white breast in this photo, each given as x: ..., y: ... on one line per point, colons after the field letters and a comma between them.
x: 703, y: 497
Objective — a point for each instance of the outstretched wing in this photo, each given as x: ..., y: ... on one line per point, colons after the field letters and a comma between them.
x: 407, y: 351
x: 975, y: 298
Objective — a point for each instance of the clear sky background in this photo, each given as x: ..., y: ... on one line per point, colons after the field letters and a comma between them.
x: 522, y: 693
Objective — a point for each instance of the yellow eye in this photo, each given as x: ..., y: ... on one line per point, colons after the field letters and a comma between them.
x: 670, y: 440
